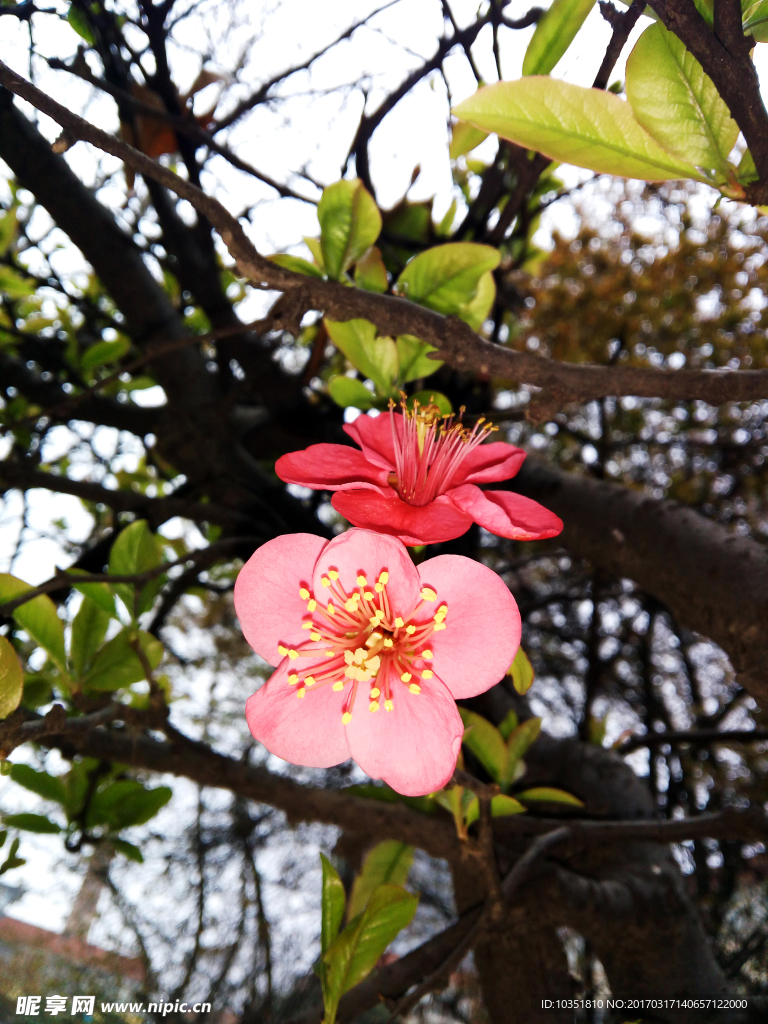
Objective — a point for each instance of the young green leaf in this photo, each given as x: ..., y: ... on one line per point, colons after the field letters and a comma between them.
x: 430, y: 397
x: 103, y: 353
x: 333, y: 901
x: 464, y: 138
x: 674, y: 100
x: 99, y: 593
x: 354, y: 954
x: 89, y: 627
x: 117, y: 665
x: 296, y: 263
x: 32, y: 823
x: 350, y: 223
x: 127, y: 849
x: 447, y: 277
x: 126, y: 803
x: 518, y: 743
x: 370, y: 272
x: 501, y: 807
x: 549, y: 794
x: 521, y: 671
x: 554, y: 33
x: 413, y: 356
x: 476, y: 311
x: 135, y: 551
x: 50, y: 787
x: 38, y: 617
x: 373, y: 357
x: 11, y: 679
x: 755, y: 20
x: 79, y: 22
x: 12, y: 861
x: 348, y: 391
x: 485, y: 742
x: 509, y: 723
x: 587, y: 127
x: 389, y: 861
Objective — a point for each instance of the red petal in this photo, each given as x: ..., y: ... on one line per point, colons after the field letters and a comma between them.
x: 330, y: 467
x: 506, y: 514
x: 490, y: 462
x: 369, y: 553
x: 374, y: 435
x: 434, y: 523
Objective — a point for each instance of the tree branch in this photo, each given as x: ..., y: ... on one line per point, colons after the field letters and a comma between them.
x: 697, y: 737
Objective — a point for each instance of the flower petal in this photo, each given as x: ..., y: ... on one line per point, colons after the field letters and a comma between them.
x: 506, y: 514
x: 366, y: 552
x: 267, y: 598
x: 374, y: 435
x: 330, y: 467
x: 482, y: 627
x: 490, y: 462
x: 306, y: 731
x: 434, y: 523
x: 414, y: 747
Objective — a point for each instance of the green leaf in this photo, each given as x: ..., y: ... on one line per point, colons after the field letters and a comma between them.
x: 464, y: 138
x: 674, y: 100
x: 755, y: 21
x: 332, y: 905
x: 446, y: 278
x: 89, y: 628
x: 350, y: 223
x: 501, y: 807
x: 348, y: 391
x: 99, y: 593
x: 117, y: 665
x: 314, y: 246
x: 373, y: 357
x: 14, y: 286
x: 9, y: 223
x: 135, y: 551
x: 38, y: 617
x: 32, y: 823
x: 554, y: 33
x: 127, y: 849
x: 389, y: 861
x: 11, y: 861
x: 413, y: 356
x: 357, y: 950
x: 746, y: 172
x: 47, y: 786
x: 519, y: 741
x: 297, y: 264
x: 587, y: 127
x: 103, y: 353
x: 126, y: 803
x: 476, y: 312
x: 521, y: 671
x: 550, y: 795
x: 429, y: 397
x: 485, y: 742
x: 11, y: 679
x: 508, y: 724
x: 370, y: 272
x: 382, y: 792
x: 80, y: 24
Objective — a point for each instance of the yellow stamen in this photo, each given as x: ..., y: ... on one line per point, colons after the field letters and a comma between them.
x: 388, y: 705
x: 304, y: 594
x: 325, y: 581
x: 378, y: 587
x: 410, y: 630
x: 348, y: 657
x: 307, y: 624
x: 361, y: 580
x: 427, y: 673
x: 438, y: 626
x: 384, y: 578
x: 333, y: 574
x: 399, y: 622
x: 373, y: 664
x: 315, y: 636
x: 329, y: 654
x: 346, y: 718
x: 293, y: 654
x: 375, y: 692
x: 309, y: 681
x: 428, y: 594
x: 293, y: 679
x: 406, y: 677
x: 300, y: 693
x: 351, y: 604
x: 427, y: 654
x: 338, y: 686
x: 311, y: 605
x: 360, y: 653
x: 368, y: 595
x: 282, y: 650
x: 330, y: 609
x: 373, y: 706
x: 389, y: 643
x: 373, y: 639
x: 414, y: 688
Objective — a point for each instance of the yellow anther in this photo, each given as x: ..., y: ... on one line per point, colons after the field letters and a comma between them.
x: 368, y: 595
x: 330, y: 609
x: 315, y: 636
x: 360, y: 653
x: 438, y: 616
x: 311, y: 604
x: 338, y: 686
x: 427, y: 654
x: 333, y: 574
x: 350, y: 671
x: 349, y: 657
x: 325, y: 581
x: 329, y: 654
x: 406, y: 677
x: 375, y: 692
x: 293, y: 679
x: 399, y: 622
x: 388, y: 704
x: 427, y: 673
x: 300, y: 692
x: 293, y: 654
x: 374, y: 620
x: 428, y: 594
x: 438, y: 626
x: 410, y: 630
x: 384, y: 578
x: 309, y: 681
x: 307, y: 624
x: 414, y: 688
x: 282, y: 650
x: 389, y: 643
x: 442, y: 610
x: 373, y: 664
x: 373, y: 639
x: 361, y: 580
x: 378, y: 587
x: 346, y: 718
x: 304, y: 594
x: 373, y: 706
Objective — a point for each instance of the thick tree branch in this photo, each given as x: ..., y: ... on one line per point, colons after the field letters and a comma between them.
x: 696, y: 737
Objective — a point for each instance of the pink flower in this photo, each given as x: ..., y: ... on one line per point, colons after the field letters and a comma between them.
x: 416, y: 479
x: 372, y: 652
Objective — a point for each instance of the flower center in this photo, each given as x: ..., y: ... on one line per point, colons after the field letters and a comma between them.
x: 365, y: 641
x: 430, y: 450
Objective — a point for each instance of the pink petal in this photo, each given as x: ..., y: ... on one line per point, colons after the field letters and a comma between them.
x: 369, y: 553
x: 506, y: 514
x: 267, y: 598
x: 330, y: 467
x: 306, y: 731
x: 482, y: 627
x: 414, y: 747
x: 374, y: 435
x: 490, y: 462
x: 434, y: 523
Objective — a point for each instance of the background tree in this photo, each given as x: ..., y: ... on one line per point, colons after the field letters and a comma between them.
x: 157, y: 384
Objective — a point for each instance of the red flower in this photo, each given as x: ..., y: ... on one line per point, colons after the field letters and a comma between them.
x: 416, y: 479
x: 372, y: 652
